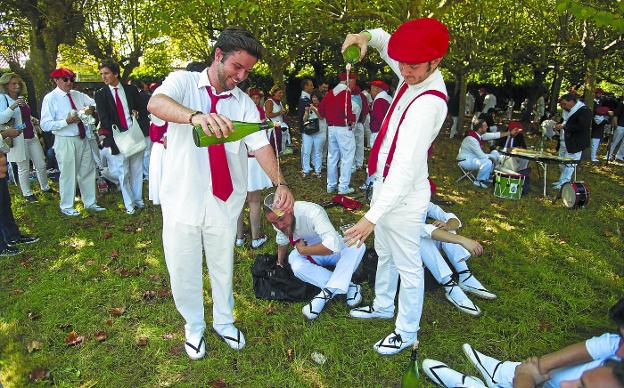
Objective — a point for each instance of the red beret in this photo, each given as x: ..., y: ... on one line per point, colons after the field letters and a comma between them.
x: 343, y: 76
x: 62, y: 72
x: 380, y: 84
x: 419, y: 41
x: 515, y: 124
x: 153, y: 86
x: 602, y: 110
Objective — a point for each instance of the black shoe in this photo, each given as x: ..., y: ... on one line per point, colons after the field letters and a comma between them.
x: 50, y: 191
x: 23, y: 240
x: 10, y: 251
x: 31, y: 198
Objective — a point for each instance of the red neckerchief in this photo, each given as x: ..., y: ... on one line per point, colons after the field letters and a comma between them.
x: 294, y: 242
x: 476, y: 136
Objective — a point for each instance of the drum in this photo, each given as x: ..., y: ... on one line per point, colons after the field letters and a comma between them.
x: 575, y: 194
x: 508, y: 184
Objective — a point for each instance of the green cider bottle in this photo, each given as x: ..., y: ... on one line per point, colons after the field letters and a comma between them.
x: 241, y: 129
x: 352, y: 54
x: 411, y: 378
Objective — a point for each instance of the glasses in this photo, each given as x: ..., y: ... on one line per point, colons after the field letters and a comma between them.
x: 67, y: 79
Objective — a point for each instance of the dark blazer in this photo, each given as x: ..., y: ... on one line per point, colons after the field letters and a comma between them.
x: 577, y: 130
x: 107, y: 111
x: 518, y: 141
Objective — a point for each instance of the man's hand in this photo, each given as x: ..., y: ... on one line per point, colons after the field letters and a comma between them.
x: 359, y: 232
x: 11, y: 132
x: 72, y: 119
x: 214, y: 123
x: 360, y: 39
x: 440, y: 225
x: 284, y: 199
x: 301, y: 245
x: 529, y: 370
x: 471, y: 246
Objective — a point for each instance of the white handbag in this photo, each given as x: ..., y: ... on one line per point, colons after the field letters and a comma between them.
x: 129, y: 142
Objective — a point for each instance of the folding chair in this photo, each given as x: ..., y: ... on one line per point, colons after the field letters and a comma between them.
x: 466, y: 174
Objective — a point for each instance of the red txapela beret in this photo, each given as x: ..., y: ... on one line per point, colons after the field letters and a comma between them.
x: 380, y: 84
x: 62, y: 72
x: 419, y: 41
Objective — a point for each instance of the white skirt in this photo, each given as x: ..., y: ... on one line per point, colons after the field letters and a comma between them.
x: 257, y: 179
x: 157, y: 160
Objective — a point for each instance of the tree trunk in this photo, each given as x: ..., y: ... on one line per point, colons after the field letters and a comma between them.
x: 43, y: 53
x: 555, y: 88
x: 462, y: 81
x: 591, y: 70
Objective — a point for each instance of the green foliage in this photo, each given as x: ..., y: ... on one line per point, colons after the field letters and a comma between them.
x: 156, y: 64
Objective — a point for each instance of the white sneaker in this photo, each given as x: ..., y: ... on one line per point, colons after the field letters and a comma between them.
x: 393, y: 343
x: 368, y: 312
x: 96, y: 208
x: 472, y: 285
x: 257, y: 243
x: 349, y: 190
x: 487, y: 366
x: 444, y: 376
x: 240, y: 242
x: 130, y: 211
x: 195, y: 349
x: 331, y: 190
x: 231, y: 335
x: 354, y: 295
x: 317, y: 304
x: 479, y: 184
x: 458, y: 298
x: 70, y: 212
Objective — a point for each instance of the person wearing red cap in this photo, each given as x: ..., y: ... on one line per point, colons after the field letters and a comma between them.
x: 203, y: 189
x: 338, y: 110
x: 71, y: 141
x: 601, y: 118
x: 398, y: 161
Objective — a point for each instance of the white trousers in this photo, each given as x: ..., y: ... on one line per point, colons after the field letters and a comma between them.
x: 95, y: 152
x: 358, y: 133
x: 454, y: 126
x: 156, y: 171
x: 484, y: 167
x: 34, y: 152
x: 397, y: 242
x: 594, y: 143
x: 373, y: 137
x: 129, y: 174
x: 76, y: 164
x: 184, y: 245
x: 341, y: 148
x: 147, y: 156
x: 433, y: 260
x: 568, y: 169
x: 337, y: 281
x: 311, y: 148
x: 617, y: 143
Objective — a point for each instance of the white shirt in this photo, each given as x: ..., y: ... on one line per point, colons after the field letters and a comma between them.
x: 489, y: 102
x: 471, y: 149
x: 312, y: 225
x: 124, y: 101
x: 436, y: 213
x: 186, y: 188
x: 421, y: 126
x: 383, y: 95
x: 56, y: 107
x: 6, y: 113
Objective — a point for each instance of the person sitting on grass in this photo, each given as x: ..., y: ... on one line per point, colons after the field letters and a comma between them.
x: 471, y: 155
x: 441, y: 234
x: 317, y: 245
x: 567, y: 367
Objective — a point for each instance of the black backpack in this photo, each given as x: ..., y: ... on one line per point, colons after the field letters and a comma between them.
x: 272, y: 282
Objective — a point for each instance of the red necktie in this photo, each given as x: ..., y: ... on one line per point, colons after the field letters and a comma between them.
x: 293, y: 243
x: 120, y: 110
x: 219, y: 170
x: 374, y: 154
x: 81, y: 129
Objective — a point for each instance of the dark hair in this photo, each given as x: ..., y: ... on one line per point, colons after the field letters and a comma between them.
x: 477, y: 124
x: 304, y: 82
x: 138, y: 83
x: 616, y: 313
x: 196, y: 66
x: 111, y: 65
x: 618, y: 373
x: 235, y: 39
x: 570, y: 97
x: 316, y: 93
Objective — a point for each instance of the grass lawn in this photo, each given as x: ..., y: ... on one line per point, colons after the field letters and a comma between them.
x: 555, y: 271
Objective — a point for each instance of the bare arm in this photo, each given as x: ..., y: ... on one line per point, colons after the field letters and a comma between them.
x: 312, y: 250
x: 283, y: 197
x: 570, y: 355
x: 451, y: 225
x: 282, y: 254
x: 471, y: 246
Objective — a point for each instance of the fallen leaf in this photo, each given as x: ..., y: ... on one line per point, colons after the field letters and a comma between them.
x: 33, y: 315
x: 175, y: 350
x: 123, y: 272
x: 142, y: 341
x: 165, y: 292
x: 117, y: 311
x: 25, y: 264
x: 73, y: 339
x: 16, y: 291
x: 39, y: 374
x: 31, y: 346
x: 90, y: 262
x: 107, y: 235
x: 217, y: 383
x: 149, y: 295
x: 109, y: 322
x: 167, y: 336
x: 114, y: 253
x: 138, y: 270
x: 269, y: 310
x: 154, y: 277
x: 290, y: 354
x: 101, y: 335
